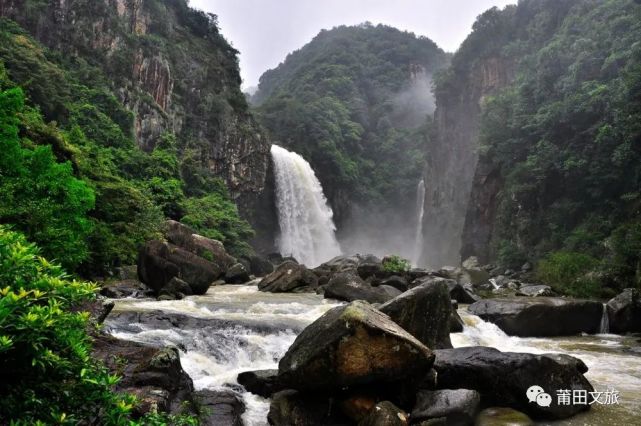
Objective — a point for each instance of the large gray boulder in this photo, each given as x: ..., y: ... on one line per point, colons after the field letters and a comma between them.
x: 159, y: 262
x: 237, y: 274
x: 292, y: 408
x: 385, y: 414
x: 183, y: 236
x: 503, y: 378
x: 260, y: 382
x: 289, y: 276
x: 350, y: 287
x: 457, y: 406
x: 424, y: 312
x: 540, y: 316
x: 624, y: 312
x: 353, y: 345
x: 220, y: 407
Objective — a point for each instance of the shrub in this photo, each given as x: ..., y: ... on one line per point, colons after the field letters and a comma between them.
x: 396, y: 264
x: 570, y: 273
x: 47, y: 373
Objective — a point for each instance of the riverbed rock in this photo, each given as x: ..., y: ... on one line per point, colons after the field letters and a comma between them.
x: 457, y: 406
x: 353, y: 345
x: 348, y: 287
x: 502, y: 378
x: 502, y: 416
x: 385, y: 414
x: 292, y: 408
x: 154, y: 375
x: 456, y: 322
x: 288, y: 276
x: 260, y: 382
x: 424, y: 312
x: 366, y: 270
x: 535, y: 290
x: 237, y: 274
x: 124, y: 288
x: 176, y: 289
x: 624, y: 312
x: 540, y: 316
x: 260, y: 266
x: 186, y: 238
x: 397, y: 282
x: 217, y: 408
x: 159, y: 262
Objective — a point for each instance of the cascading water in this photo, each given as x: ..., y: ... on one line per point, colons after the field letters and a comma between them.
x: 306, y: 225
x: 604, y: 326
x: 420, y: 211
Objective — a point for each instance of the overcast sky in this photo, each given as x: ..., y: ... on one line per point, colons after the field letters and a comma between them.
x: 265, y: 31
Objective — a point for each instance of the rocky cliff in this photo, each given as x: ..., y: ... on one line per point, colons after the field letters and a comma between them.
x: 171, y: 68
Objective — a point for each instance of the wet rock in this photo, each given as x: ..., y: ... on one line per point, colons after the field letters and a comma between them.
x: 186, y: 238
x: 477, y: 275
x: 291, y: 408
x: 416, y: 273
x: 502, y: 378
x: 260, y: 382
x: 370, y: 269
x: 175, y: 289
x: 540, y: 316
x: 458, y: 407
x: 502, y: 416
x: 535, y: 291
x: 357, y: 406
x: 260, y: 266
x: 237, y: 274
x: 353, y: 345
x: 397, y: 282
x: 624, y: 312
x: 456, y: 323
x: 391, y: 292
x: 288, y: 276
x: 424, y: 312
x: 122, y: 289
x: 220, y: 408
x: 159, y: 262
x: 154, y: 375
x: 349, y: 287
x: 385, y: 414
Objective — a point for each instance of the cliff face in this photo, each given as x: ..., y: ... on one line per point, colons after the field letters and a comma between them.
x: 171, y: 68
x: 452, y: 161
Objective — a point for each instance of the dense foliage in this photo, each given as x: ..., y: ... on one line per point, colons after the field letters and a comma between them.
x: 565, y: 136
x: 79, y: 186
x: 46, y: 371
x: 354, y: 102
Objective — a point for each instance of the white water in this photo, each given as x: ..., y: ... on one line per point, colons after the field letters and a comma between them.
x: 420, y: 212
x: 305, y: 219
x: 604, y: 326
x: 252, y: 330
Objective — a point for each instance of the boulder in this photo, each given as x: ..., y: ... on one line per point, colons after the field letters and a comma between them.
x: 396, y: 282
x: 456, y: 322
x: 186, y: 238
x: 458, y: 407
x: 237, y: 274
x: 385, y: 414
x: 154, y: 375
x: 291, y: 408
x: 122, y: 289
x: 424, y: 312
x: 503, y: 416
x: 176, y: 289
x: 534, y: 290
x: 503, y: 378
x: 260, y: 382
x: 287, y: 277
x: 416, y: 273
x: 475, y: 273
x: 390, y: 291
x: 159, y: 262
x: 540, y: 316
x: 349, y: 287
x: 349, y: 263
x: 366, y: 270
x: 220, y: 408
x: 624, y: 312
x: 260, y: 266
x: 353, y: 345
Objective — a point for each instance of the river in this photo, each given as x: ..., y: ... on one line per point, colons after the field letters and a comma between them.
x: 251, y: 330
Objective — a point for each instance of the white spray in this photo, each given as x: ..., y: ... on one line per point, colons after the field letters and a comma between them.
x: 420, y: 211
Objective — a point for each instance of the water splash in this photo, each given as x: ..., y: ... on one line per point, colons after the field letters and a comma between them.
x: 420, y: 212
x: 604, y: 326
x: 305, y: 219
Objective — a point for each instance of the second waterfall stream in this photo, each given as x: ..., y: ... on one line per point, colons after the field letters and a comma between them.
x: 305, y: 219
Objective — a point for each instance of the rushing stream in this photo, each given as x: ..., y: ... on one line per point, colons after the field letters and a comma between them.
x: 251, y: 330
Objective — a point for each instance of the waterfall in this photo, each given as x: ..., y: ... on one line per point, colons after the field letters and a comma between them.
x: 420, y: 211
x: 604, y: 326
x: 305, y: 219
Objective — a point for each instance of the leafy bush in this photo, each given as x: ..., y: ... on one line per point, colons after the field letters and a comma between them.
x: 396, y: 264
x: 47, y: 373
x: 570, y: 273
x: 41, y: 196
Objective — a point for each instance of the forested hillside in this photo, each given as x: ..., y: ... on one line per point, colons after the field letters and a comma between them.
x: 116, y: 115
x: 552, y: 93
x: 355, y: 102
